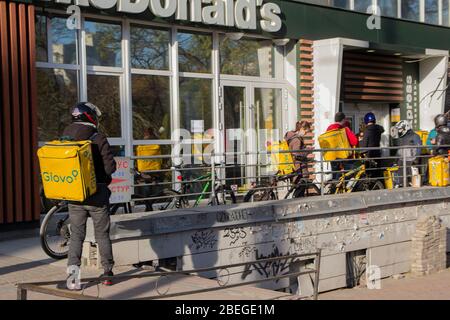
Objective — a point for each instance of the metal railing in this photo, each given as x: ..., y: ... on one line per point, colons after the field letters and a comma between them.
x: 44, y: 286
x: 216, y: 172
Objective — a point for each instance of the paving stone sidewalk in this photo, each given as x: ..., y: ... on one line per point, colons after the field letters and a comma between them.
x: 435, y: 286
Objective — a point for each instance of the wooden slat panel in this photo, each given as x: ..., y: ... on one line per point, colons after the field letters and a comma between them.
x: 15, y: 105
x: 372, y: 77
x: 305, y: 84
x: 33, y: 111
x: 374, y: 98
x: 372, y: 64
x: 372, y: 57
x: 2, y: 202
x: 306, y: 42
x: 373, y: 84
x: 306, y: 56
x: 310, y: 92
x: 26, y: 137
x: 306, y: 49
x: 308, y: 99
x: 371, y: 90
x: 6, y: 133
x: 305, y: 77
x: 306, y: 63
x: 371, y: 70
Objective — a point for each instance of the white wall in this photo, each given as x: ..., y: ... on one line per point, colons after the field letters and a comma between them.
x: 433, y: 79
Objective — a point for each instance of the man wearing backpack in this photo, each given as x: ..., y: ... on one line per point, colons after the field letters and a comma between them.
x: 339, y: 123
x: 84, y: 127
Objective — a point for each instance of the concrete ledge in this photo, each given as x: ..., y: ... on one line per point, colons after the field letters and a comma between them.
x: 147, y: 224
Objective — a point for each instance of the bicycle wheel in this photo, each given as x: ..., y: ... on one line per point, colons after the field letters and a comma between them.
x: 260, y: 193
x: 306, y: 189
x: 55, y: 232
x: 369, y: 186
x: 170, y: 199
x: 224, y: 195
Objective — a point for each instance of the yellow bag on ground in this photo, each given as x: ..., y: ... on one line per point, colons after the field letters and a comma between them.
x: 281, y: 161
x: 335, y: 139
x: 391, y: 177
x: 67, y: 170
x: 423, y: 136
x: 148, y: 164
x: 438, y: 169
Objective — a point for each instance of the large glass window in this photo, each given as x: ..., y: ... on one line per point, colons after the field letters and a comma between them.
x: 432, y: 11
x: 411, y: 9
x: 388, y: 7
x: 247, y: 57
x: 103, y: 44
x: 104, y: 92
x: 151, y: 107
x: 63, y: 42
x: 195, y: 104
x: 57, y: 92
x: 195, y: 52
x: 445, y: 16
x: 362, y: 5
x: 341, y: 4
x: 149, y: 48
x: 41, y: 39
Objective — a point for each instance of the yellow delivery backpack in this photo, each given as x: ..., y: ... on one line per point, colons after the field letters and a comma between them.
x: 423, y: 134
x: 148, y: 164
x: 67, y: 170
x: 281, y: 157
x: 335, y: 139
x: 438, y: 170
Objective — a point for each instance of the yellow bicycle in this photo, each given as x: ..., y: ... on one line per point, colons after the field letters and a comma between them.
x: 354, y: 180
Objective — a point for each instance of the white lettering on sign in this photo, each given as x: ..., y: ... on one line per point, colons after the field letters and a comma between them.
x: 120, y: 186
x: 409, y: 100
x: 241, y: 14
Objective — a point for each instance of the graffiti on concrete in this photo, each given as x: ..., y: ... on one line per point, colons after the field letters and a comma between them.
x: 235, y: 234
x: 233, y: 216
x: 305, y: 244
x: 269, y: 268
x: 203, y: 239
x: 247, y: 251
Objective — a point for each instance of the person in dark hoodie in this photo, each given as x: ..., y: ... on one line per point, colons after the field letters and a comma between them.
x: 372, y: 139
x: 84, y: 127
x: 443, y: 134
x: 372, y: 136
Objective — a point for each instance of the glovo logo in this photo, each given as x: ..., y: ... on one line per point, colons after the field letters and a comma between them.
x: 57, y: 178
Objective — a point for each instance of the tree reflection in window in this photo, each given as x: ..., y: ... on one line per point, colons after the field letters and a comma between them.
x: 41, y: 39
x: 194, y: 51
x: 247, y: 57
x: 104, y: 92
x: 149, y: 48
x: 411, y: 9
x: 57, y: 93
x: 103, y: 44
x: 151, y: 106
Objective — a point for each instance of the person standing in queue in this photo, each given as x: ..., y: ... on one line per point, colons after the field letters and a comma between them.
x: 372, y: 139
x: 340, y: 123
x: 84, y: 124
x: 442, y: 140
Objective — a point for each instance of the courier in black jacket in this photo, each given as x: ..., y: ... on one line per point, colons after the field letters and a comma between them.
x: 84, y: 127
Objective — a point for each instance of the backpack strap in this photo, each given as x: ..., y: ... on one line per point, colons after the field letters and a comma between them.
x: 95, y: 134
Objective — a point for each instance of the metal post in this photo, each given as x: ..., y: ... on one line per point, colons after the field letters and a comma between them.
x: 21, y: 293
x: 322, y: 184
x: 213, y: 179
x: 317, y: 273
x: 405, y: 178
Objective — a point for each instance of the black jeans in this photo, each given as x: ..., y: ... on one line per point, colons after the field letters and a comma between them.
x: 97, y: 208
x: 336, y: 167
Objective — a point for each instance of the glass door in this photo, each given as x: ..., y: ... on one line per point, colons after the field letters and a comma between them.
x: 234, y: 109
x: 266, y: 115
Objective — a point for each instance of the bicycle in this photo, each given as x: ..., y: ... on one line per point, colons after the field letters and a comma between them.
x: 355, y: 180
x: 222, y: 193
x: 300, y: 187
x: 54, y: 232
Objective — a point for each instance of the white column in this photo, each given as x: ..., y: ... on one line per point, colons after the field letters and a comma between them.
x: 432, y: 83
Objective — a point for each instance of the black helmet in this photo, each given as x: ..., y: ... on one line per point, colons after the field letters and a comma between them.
x: 85, y: 112
x: 440, y: 120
